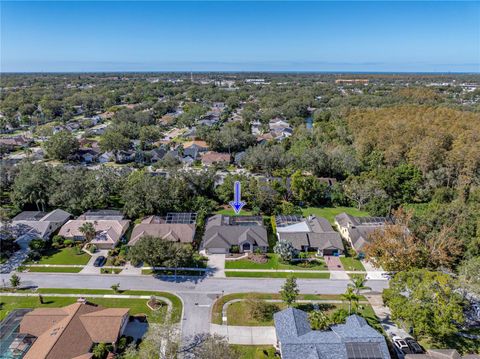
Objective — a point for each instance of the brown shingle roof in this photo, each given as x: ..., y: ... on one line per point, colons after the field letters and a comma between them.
x: 175, y: 232
x: 71, y: 331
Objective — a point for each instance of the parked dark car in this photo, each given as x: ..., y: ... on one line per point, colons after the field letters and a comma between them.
x: 414, y: 346
x: 100, y: 261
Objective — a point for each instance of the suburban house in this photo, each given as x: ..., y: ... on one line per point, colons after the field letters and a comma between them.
x: 200, y: 146
x: 29, y: 225
x: 353, y: 340
x: 175, y: 227
x: 211, y: 157
x: 109, y: 228
x: 223, y: 232
x: 356, y: 230
x: 71, y: 331
x: 309, y: 234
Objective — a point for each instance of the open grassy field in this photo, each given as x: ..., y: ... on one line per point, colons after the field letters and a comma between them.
x: 137, y: 306
x: 64, y: 256
x: 274, y: 263
x: 330, y: 212
x: 277, y: 275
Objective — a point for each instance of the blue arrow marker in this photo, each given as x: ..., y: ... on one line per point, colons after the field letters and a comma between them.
x: 237, y: 204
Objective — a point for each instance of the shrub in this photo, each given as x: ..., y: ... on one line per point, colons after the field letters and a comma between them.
x: 92, y: 248
x: 234, y: 249
x: 285, y: 250
x: 37, y: 244
x: 258, y: 251
x: 261, y: 310
x: 58, y: 241
x: 34, y: 255
x: 303, y: 255
x: 68, y: 242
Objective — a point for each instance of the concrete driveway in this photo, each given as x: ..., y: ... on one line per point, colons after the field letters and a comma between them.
x: 89, y: 267
x: 216, y: 263
x: 246, y: 335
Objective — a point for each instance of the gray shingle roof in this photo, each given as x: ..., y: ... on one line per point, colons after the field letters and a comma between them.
x: 219, y: 233
x: 353, y: 340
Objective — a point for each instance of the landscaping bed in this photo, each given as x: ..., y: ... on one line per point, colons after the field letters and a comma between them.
x: 111, y: 270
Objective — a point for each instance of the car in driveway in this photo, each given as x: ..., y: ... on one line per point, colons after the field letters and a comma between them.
x: 414, y: 346
x: 401, y: 344
x: 100, y: 261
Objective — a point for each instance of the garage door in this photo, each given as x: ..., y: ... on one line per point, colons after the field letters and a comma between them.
x: 217, y: 251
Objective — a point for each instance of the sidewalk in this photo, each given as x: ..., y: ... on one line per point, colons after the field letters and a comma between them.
x: 383, y: 314
x: 372, y: 272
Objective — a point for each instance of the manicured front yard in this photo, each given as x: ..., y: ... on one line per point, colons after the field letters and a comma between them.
x: 330, y: 212
x: 54, y: 269
x: 352, y: 264
x: 274, y: 263
x: 64, y: 256
x: 219, y: 303
x: 137, y: 306
x: 255, y: 352
x: 277, y: 274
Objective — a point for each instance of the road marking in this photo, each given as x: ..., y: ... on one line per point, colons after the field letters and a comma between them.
x: 203, y: 305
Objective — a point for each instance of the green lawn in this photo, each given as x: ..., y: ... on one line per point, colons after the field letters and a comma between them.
x: 350, y: 263
x: 255, y: 352
x: 274, y: 263
x: 137, y: 306
x: 330, y: 212
x: 54, y: 269
x: 238, y: 313
x: 277, y: 275
x: 64, y: 256
x: 218, y: 305
x: 231, y: 212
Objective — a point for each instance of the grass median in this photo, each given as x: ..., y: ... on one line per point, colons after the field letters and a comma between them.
x: 302, y: 275
x: 54, y: 269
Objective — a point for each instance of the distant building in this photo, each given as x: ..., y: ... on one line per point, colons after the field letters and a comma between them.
x: 211, y: 157
x: 353, y: 340
x: 352, y: 81
x: 356, y: 230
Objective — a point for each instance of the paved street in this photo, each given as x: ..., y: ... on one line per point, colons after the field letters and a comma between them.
x: 198, y: 294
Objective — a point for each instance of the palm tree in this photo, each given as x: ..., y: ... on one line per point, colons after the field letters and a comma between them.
x: 88, y: 230
x: 319, y: 320
x: 351, y: 297
x: 358, y: 284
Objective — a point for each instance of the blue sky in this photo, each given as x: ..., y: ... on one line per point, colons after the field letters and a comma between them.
x: 240, y: 36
